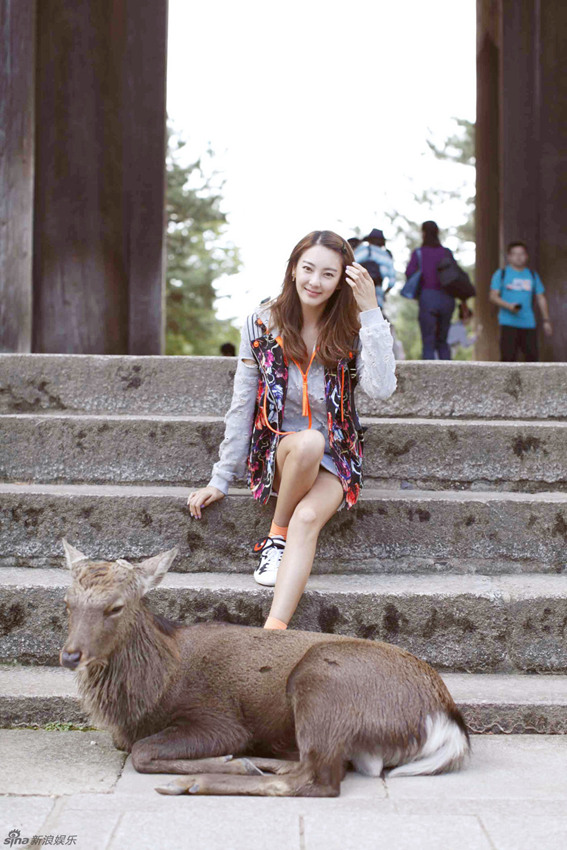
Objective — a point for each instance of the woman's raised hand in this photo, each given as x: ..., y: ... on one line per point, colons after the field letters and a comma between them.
x: 201, y: 498
x: 362, y: 287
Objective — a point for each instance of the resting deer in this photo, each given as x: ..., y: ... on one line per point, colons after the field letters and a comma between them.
x: 224, y: 703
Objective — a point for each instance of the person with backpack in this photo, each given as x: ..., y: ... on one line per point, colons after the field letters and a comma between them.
x: 436, y: 306
x: 378, y: 262
x: 292, y: 423
x: 514, y: 289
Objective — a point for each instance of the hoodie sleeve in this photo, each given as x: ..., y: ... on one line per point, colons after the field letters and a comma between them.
x: 234, y: 448
x: 375, y: 363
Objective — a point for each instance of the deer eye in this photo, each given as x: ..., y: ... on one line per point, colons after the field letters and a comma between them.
x: 116, y: 609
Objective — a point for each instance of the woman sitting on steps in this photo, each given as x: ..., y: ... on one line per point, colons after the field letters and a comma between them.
x: 292, y: 419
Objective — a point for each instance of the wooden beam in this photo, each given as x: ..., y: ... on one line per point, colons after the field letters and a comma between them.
x: 17, y: 40
x: 99, y: 188
x: 487, y: 175
x: 522, y: 155
x: 553, y: 172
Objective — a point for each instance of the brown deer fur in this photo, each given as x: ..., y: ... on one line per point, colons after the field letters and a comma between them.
x: 185, y: 699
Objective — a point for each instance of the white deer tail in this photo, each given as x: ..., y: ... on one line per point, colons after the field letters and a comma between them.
x: 445, y: 748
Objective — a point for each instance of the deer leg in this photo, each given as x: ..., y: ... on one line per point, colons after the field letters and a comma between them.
x: 301, y: 781
x: 243, y: 765
x: 179, y: 749
x: 278, y: 766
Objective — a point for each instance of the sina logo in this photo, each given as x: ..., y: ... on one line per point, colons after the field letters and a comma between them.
x: 14, y: 838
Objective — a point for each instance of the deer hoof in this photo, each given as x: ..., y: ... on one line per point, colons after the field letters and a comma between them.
x: 173, y: 789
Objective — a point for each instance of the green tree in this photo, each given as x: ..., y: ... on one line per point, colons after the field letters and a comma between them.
x: 197, y: 255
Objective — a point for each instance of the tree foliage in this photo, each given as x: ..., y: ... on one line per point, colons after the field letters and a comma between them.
x: 197, y: 255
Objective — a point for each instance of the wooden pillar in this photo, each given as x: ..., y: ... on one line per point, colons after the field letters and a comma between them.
x: 552, y: 259
x: 522, y: 121
x: 487, y: 175
x: 520, y: 139
x: 99, y: 177
x: 17, y: 27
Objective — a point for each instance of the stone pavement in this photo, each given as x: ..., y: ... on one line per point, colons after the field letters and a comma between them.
x: 511, y: 796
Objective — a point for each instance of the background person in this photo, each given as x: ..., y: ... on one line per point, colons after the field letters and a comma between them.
x: 435, y: 305
x: 303, y: 348
x: 378, y: 261
x: 458, y: 336
x: 514, y: 289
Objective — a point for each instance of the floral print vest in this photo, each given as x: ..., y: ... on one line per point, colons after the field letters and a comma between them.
x: 345, y: 431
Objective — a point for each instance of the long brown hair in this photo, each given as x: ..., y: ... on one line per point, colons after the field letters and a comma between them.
x: 339, y: 323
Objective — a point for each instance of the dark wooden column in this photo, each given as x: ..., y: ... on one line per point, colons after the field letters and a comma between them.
x: 552, y: 259
x: 99, y: 181
x: 487, y: 175
x: 17, y: 25
x: 522, y: 119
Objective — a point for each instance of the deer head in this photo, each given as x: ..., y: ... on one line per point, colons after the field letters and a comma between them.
x: 102, y: 602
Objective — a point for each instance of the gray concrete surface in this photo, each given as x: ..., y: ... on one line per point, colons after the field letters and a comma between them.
x: 388, y: 531
x: 41, y: 763
x: 512, y: 795
x: 490, y: 702
x: 428, y: 453
x: 457, y: 622
x: 43, y: 383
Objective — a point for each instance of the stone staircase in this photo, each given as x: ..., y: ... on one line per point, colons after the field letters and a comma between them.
x: 457, y: 549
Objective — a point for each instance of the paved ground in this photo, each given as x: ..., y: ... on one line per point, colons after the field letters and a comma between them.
x: 511, y: 796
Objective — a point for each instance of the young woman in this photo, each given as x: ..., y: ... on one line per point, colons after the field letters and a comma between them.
x: 292, y: 419
x: 436, y: 307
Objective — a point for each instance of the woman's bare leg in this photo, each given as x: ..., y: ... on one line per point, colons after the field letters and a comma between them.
x: 297, y: 465
x: 308, y: 518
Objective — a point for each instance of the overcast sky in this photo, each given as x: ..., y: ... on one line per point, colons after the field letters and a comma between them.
x: 318, y: 114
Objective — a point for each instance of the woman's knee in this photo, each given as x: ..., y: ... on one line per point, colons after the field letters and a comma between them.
x: 306, y: 516
x: 308, y: 448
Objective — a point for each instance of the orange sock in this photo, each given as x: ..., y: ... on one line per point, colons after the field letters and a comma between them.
x: 274, y: 623
x: 278, y: 529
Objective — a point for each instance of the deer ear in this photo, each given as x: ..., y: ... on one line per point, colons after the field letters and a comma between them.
x: 152, y: 570
x: 72, y: 555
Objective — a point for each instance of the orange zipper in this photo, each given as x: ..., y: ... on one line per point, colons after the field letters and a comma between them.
x: 306, y: 407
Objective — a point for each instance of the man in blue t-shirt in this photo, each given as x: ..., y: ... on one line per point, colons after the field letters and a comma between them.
x: 514, y: 289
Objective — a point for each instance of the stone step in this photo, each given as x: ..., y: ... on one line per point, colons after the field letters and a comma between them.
x: 456, y: 622
x: 389, y: 531
x: 491, y: 703
x: 425, y: 453
x: 57, y: 383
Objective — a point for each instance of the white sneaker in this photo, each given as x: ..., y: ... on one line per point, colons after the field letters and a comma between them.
x: 272, y: 549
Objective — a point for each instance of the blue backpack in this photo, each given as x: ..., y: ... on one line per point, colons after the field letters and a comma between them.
x: 411, y: 287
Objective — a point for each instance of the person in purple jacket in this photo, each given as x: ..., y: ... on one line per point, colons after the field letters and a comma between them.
x: 435, y: 306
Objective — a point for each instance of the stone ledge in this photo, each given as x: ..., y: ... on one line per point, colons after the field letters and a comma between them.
x: 175, y: 385
x: 456, y: 622
x: 389, y: 531
x: 492, y: 703
x: 172, y: 450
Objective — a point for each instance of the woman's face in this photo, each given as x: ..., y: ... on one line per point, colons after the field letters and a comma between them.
x: 317, y: 275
